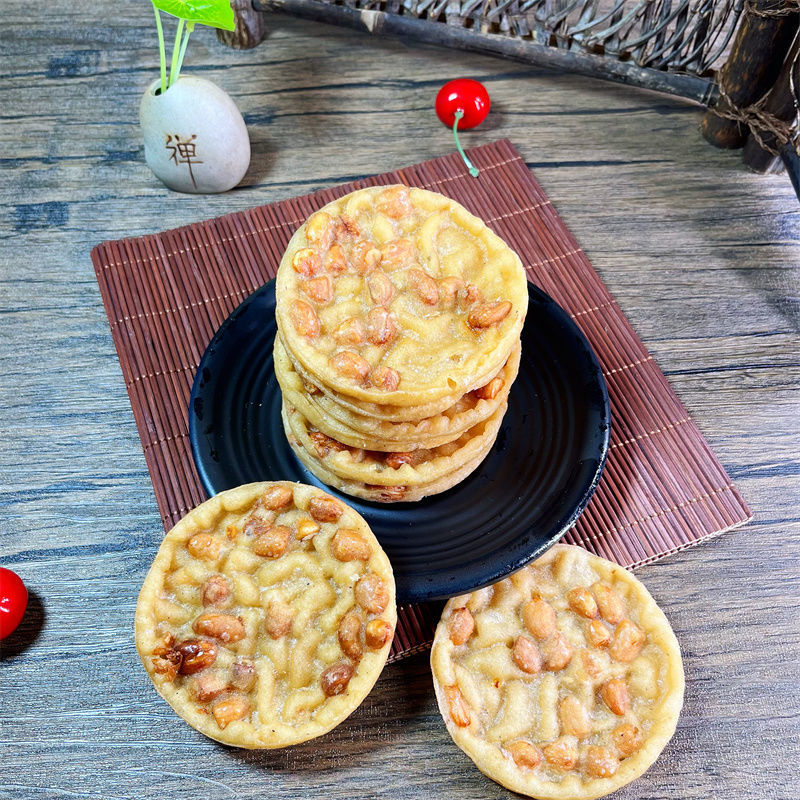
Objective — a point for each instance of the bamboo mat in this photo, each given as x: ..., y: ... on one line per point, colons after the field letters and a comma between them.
x: 165, y: 295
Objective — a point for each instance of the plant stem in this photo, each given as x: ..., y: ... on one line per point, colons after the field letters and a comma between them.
x: 161, y: 51
x: 173, y: 70
x: 473, y: 170
x: 189, y: 29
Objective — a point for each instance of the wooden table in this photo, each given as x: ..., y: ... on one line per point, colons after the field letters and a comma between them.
x: 708, y: 272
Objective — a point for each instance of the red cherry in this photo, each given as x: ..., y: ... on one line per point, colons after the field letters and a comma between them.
x: 13, y: 601
x: 467, y: 95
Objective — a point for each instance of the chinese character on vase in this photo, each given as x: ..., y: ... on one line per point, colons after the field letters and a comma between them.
x: 183, y: 151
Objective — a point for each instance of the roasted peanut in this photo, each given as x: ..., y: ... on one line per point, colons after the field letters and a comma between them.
x: 205, y: 546
x: 456, y: 706
x: 385, y: 378
x: 574, y: 717
x: 206, y: 686
x: 335, y: 678
x: 380, y: 287
x: 556, y: 652
x: 371, y: 594
x: 230, y: 707
x: 196, y: 654
x: 349, y: 635
x: 377, y: 633
x: 336, y: 262
x: 351, y: 332
x: 561, y: 753
x: 389, y: 494
x: 423, y: 286
x: 225, y: 627
x: 346, y: 228
x: 364, y: 257
x: 276, y: 498
x: 306, y: 261
x: 307, y: 527
x: 627, y: 739
x: 581, y: 602
x: 591, y: 662
x: 539, y: 618
x: 485, y: 315
x: 320, y: 290
x: 167, y: 664
x: 216, y: 591
x: 460, y: 626
x: 273, y: 542
x: 395, y: 202
x: 351, y: 365
x: 525, y: 654
x: 627, y: 641
x: 381, y: 327
x: 611, y: 605
x: 243, y: 675
x: 615, y: 696
x: 324, y: 444
x: 166, y: 645
x: 597, y: 634
x: 278, y: 618
x: 448, y: 291
x: 600, y: 762
x: 397, y: 254
x: 491, y: 390
x: 325, y: 509
x: 304, y: 319
x: 525, y: 754
x: 396, y: 460
x: 469, y: 295
x: 320, y: 229
x: 254, y: 527
x: 350, y: 545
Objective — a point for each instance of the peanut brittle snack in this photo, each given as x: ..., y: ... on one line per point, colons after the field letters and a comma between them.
x: 399, y: 296
x: 340, y: 406
x: 563, y: 681
x: 399, y: 316
x: 360, y: 431
x: 389, y: 477
x: 267, y: 615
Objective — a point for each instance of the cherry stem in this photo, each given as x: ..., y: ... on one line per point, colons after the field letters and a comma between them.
x: 473, y: 170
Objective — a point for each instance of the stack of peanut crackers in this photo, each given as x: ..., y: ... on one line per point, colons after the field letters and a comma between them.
x: 399, y: 318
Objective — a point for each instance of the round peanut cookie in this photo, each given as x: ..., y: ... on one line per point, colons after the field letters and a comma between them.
x: 368, y: 433
x: 267, y: 615
x: 400, y: 297
x: 340, y: 406
x: 563, y: 681
x: 413, y: 468
x: 387, y: 493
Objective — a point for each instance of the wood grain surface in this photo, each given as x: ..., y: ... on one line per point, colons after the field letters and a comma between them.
x: 702, y: 256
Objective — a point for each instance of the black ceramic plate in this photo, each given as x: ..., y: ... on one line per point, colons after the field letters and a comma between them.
x: 531, y: 488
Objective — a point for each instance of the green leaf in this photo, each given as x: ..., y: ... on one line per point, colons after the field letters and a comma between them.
x: 216, y: 13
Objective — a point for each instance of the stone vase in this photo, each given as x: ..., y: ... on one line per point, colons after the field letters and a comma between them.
x: 195, y: 139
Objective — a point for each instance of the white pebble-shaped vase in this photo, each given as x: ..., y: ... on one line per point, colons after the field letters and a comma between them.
x: 195, y: 139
